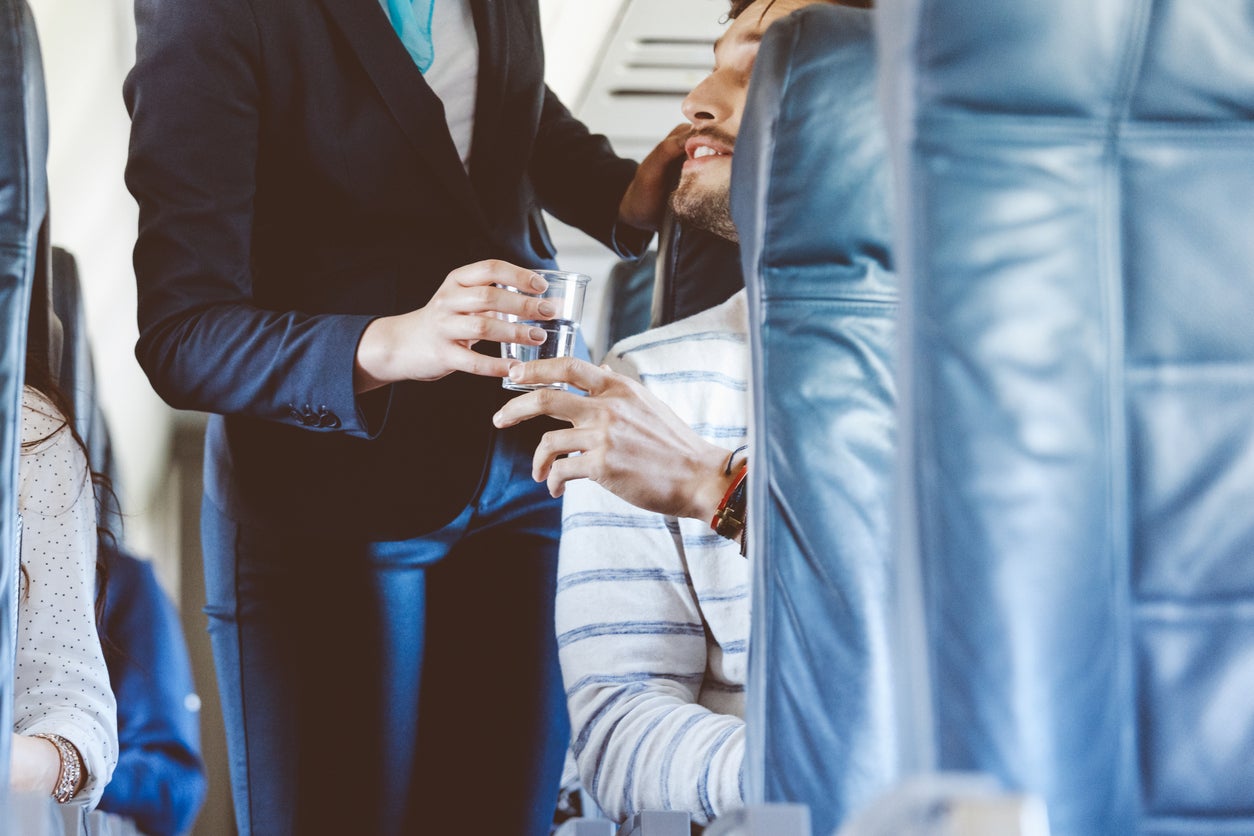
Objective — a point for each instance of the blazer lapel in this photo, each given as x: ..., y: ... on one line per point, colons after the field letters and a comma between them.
x: 416, y: 109
x: 493, y: 32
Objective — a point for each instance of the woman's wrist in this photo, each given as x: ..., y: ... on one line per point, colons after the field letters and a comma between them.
x: 69, y: 774
x: 35, y: 765
x: 372, y: 363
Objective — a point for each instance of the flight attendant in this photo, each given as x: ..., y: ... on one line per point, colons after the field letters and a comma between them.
x: 329, y: 191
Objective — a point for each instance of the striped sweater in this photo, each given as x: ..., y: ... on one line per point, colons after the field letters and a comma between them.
x: 653, y: 612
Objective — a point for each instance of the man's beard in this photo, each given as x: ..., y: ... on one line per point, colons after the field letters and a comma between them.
x: 708, y: 209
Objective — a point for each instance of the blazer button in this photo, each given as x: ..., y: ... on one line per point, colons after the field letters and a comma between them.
x: 327, y: 419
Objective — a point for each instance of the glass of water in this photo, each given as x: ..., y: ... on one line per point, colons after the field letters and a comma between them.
x: 566, y: 291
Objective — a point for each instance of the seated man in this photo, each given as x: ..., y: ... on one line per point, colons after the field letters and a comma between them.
x: 652, y: 605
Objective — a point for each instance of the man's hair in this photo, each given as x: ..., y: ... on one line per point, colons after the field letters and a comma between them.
x: 739, y: 6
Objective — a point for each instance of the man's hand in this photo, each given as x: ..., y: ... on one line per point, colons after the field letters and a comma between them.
x: 629, y: 442
x: 435, y: 340
x: 644, y: 202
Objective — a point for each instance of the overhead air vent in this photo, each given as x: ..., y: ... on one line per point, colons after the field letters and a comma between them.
x: 663, y: 67
x: 657, y: 53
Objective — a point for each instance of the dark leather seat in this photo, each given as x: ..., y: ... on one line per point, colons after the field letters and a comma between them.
x: 695, y: 270
x: 810, y: 200
x: 23, y: 213
x: 76, y: 371
x: 1078, y: 388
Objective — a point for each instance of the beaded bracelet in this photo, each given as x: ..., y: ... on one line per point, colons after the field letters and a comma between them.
x: 71, y: 771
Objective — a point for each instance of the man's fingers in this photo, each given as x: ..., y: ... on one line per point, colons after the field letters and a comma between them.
x: 472, y: 362
x: 564, y: 406
x: 579, y: 373
x: 566, y: 470
x: 558, y: 443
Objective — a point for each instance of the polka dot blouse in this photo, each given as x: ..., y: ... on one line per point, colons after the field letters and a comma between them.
x: 61, y: 685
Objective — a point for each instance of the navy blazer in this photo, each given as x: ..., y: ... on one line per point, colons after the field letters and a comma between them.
x: 296, y: 178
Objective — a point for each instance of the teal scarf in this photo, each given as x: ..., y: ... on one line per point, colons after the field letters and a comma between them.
x: 412, y: 21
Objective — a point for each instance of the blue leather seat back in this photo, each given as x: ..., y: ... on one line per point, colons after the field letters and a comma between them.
x: 23, y: 210
x: 1077, y: 242
x: 810, y: 200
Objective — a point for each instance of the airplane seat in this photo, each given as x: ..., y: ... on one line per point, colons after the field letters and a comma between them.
x: 627, y: 302
x: 810, y: 200
x: 76, y: 374
x: 1077, y: 383
x: 694, y: 270
x: 23, y: 210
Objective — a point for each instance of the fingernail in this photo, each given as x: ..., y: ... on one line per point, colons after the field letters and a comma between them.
x: 538, y: 282
x: 496, y: 419
x: 516, y: 372
x: 536, y: 334
x: 547, y: 309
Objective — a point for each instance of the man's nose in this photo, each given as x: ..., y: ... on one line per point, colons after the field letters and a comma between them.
x: 700, y: 105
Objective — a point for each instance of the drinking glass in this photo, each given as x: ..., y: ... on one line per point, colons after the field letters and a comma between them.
x: 566, y: 291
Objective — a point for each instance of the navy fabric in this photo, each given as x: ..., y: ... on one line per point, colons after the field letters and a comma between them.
x: 23, y: 210
x: 159, y: 782
x: 426, y: 667
x: 296, y: 179
x: 1078, y: 386
x: 810, y: 200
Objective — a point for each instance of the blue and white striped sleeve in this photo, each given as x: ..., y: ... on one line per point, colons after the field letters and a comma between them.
x: 633, y: 649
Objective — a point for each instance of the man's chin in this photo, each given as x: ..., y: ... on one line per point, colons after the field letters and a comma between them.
x: 704, y: 208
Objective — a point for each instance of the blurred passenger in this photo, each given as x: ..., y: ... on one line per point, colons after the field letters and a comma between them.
x: 64, y: 717
x: 329, y: 195
x: 159, y: 782
x: 653, y: 605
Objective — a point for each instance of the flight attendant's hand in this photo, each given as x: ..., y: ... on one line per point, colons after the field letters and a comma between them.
x: 629, y: 441
x: 435, y: 340
x: 644, y: 202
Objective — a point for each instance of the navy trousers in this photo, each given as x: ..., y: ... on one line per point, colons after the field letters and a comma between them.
x: 405, y: 687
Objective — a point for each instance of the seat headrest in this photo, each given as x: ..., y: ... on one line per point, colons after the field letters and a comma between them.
x: 23, y: 129
x: 23, y: 173
x: 810, y: 172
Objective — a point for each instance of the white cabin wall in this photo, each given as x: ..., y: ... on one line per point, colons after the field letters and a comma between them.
x: 88, y: 46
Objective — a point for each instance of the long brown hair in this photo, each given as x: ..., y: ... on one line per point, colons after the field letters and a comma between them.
x: 39, y: 377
